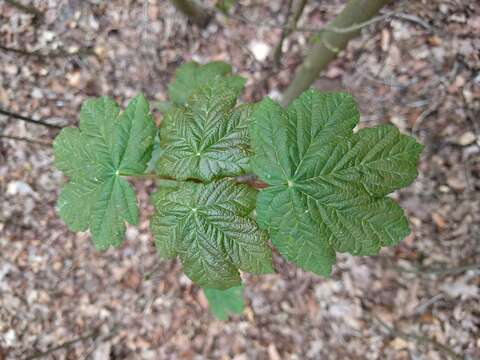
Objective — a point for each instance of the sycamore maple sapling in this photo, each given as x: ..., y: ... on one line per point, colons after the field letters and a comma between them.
x: 326, y: 190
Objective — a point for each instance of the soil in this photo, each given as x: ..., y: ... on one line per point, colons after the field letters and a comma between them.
x: 418, y: 69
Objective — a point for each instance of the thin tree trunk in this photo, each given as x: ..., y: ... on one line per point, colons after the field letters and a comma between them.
x: 330, y: 42
x: 193, y: 11
x: 291, y: 23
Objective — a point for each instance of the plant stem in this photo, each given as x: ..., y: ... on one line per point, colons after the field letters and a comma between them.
x: 193, y: 11
x: 147, y: 176
x: 248, y: 179
x: 334, y: 38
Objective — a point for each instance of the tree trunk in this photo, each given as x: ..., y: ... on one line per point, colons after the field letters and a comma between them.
x: 330, y: 42
x: 193, y: 11
x: 291, y: 23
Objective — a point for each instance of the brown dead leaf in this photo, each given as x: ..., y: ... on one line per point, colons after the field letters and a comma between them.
x: 399, y: 344
x: 3, y: 96
x: 438, y: 220
x: 74, y: 78
x: 249, y: 314
x: 427, y: 319
x: 385, y: 39
x: 456, y: 85
x: 202, y: 299
x: 434, y: 40
x: 132, y: 279
x: 466, y: 138
x: 273, y: 352
x: 457, y: 181
x: 100, y: 51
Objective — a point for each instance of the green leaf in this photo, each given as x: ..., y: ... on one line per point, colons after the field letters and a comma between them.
x: 225, y: 5
x: 208, y: 138
x: 223, y: 303
x: 163, y: 106
x: 210, y: 228
x: 156, y: 153
x: 327, y: 185
x: 94, y: 156
x: 191, y: 75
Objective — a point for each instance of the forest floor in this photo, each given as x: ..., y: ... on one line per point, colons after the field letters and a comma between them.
x: 418, y: 69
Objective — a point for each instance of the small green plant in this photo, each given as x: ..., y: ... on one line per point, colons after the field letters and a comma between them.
x: 325, y: 187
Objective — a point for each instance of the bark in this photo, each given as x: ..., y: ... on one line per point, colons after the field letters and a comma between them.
x: 193, y: 11
x: 330, y: 42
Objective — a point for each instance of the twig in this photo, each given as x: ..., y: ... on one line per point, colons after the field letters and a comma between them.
x: 100, y: 339
x: 27, y: 119
x: 388, y: 82
x: 65, y: 345
x: 38, y: 142
x: 149, y: 274
x: 359, y: 26
x: 333, y: 29
x: 438, y: 270
x: 418, y: 338
x: 426, y: 113
x: 413, y: 19
x: 25, y: 8
x: 50, y: 55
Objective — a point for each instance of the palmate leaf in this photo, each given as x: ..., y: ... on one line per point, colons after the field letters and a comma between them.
x: 208, y: 137
x: 94, y: 156
x: 209, y: 226
x: 223, y: 303
x: 191, y: 75
x: 327, y: 185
